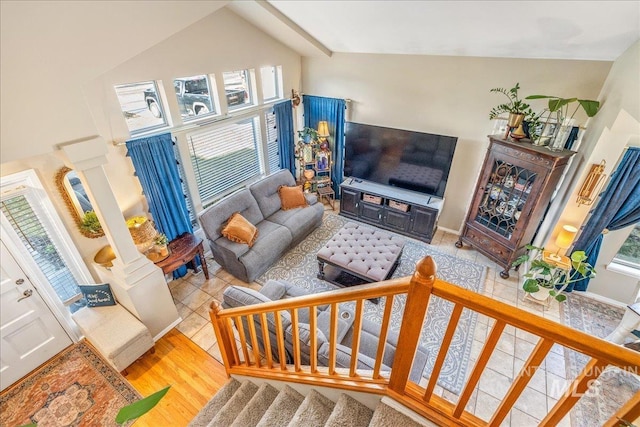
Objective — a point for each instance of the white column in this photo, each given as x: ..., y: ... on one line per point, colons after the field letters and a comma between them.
x: 139, y: 285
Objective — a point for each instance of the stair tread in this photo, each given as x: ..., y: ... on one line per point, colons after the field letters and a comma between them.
x: 348, y: 412
x: 282, y: 409
x: 234, y: 406
x: 259, y: 404
x: 216, y: 403
x: 314, y: 411
x: 385, y: 415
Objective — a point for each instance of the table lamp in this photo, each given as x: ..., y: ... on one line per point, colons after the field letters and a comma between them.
x: 564, y: 240
x: 323, y: 129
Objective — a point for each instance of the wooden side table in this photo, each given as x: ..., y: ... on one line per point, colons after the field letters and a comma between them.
x: 182, y: 250
x: 327, y: 193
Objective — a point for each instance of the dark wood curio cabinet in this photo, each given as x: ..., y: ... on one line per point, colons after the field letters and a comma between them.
x: 512, y: 196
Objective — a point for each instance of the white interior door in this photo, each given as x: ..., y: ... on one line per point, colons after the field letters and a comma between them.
x: 30, y: 334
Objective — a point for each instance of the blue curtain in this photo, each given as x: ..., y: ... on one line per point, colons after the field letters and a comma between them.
x: 618, y: 207
x: 157, y: 169
x: 286, y: 142
x: 317, y: 108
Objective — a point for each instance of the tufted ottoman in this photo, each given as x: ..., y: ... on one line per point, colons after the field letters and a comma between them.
x: 368, y: 254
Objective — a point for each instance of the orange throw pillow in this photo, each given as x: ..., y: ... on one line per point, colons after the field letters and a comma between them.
x: 292, y: 197
x: 239, y: 230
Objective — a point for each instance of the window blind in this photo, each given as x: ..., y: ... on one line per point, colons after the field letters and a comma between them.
x: 37, y: 241
x: 225, y: 157
x: 273, y: 159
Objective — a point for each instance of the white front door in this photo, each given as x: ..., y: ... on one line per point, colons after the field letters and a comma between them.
x: 30, y: 334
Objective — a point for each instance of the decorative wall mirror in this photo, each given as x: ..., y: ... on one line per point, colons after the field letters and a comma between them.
x: 75, y: 197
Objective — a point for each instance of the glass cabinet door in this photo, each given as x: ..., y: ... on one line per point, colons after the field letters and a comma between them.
x: 505, y: 194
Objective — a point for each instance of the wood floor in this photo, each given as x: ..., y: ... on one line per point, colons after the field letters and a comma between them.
x: 193, y: 374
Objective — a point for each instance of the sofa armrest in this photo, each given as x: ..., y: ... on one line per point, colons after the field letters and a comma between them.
x: 312, y: 199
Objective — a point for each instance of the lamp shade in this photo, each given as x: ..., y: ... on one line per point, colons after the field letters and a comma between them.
x: 141, y: 229
x: 566, y: 236
x: 323, y: 129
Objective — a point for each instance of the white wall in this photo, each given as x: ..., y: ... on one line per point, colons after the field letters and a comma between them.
x: 611, y: 130
x: 445, y: 95
x: 220, y: 42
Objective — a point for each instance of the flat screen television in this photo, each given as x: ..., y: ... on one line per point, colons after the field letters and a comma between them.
x: 411, y: 160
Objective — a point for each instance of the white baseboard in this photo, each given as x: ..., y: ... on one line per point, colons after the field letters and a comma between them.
x: 448, y: 230
x: 167, y: 329
x: 601, y: 298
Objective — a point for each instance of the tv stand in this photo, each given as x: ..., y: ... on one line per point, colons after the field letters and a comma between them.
x: 395, y: 209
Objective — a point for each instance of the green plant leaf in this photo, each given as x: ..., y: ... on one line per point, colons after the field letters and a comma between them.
x: 561, y: 298
x: 141, y: 407
x: 531, y: 286
x: 30, y: 425
x: 578, y: 256
x: 590, y: 107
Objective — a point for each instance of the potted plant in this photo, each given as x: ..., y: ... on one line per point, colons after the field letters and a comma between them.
x: 516, y: 107
x: 90, y: 224
x: 160, y: 243
x: 545, y: 279
x: 308, y: 135
x: 560, y: 106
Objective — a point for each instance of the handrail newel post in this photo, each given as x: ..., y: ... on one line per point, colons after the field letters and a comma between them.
x: 224, y: 341
x: 417, y: 302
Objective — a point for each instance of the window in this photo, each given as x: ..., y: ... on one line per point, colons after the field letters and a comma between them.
x: 271, y: 83
x: 31, y: 223
x: 141, y: 106
x: 273, y: 159
x: 194, y: 97
x: 225, y: 157
x: 629, y: 253
x: 238, y: 89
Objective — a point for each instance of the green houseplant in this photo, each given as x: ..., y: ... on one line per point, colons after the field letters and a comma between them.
x: 90, y: 224
x: 516, y: 107
x: 547, y: 278
x: 308, y: 135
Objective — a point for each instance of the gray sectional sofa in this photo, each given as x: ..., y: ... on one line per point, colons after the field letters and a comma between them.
x: 278, y: 230
x: 238, y: 296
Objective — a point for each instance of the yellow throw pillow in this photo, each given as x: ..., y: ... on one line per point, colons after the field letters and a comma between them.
x: 292, y: 197
x: 239, y: 230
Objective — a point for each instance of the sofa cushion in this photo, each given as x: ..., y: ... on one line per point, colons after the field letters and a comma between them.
x: 291, y: 197
x: 239, y: 296
x: 214, y: 217
x: 265, y: 191
x: 299, y: 221
x: 239, y: 230
x: 343, y: 358
x: 273, y: 240
x: 304, y: 339
x: 273, y: 290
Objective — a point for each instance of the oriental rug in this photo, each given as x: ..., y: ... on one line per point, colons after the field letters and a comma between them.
x: 76, y: 388
x: 614, y: 387
x: 300, y: 267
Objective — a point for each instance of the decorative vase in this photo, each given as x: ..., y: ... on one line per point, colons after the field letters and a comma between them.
x: 518, y: 134
x: 560, y: 139
x: 308, y: 174
x: 542, y: 294
x: 515, y: 120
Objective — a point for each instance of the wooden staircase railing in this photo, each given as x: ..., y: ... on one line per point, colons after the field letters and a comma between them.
x: 420, y: 397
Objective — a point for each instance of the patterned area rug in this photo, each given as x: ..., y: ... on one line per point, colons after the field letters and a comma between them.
x: 614, y: 387
x: 299, y: 266
x: 76, y: 388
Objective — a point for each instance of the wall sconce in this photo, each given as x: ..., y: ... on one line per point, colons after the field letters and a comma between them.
x: 592, y: 185
x: 323, y: 129
x: 564, y: 240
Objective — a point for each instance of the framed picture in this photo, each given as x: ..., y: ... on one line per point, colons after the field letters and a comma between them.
x: 322, y: 160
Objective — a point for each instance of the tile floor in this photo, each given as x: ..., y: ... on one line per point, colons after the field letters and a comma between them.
x: 193, y: 294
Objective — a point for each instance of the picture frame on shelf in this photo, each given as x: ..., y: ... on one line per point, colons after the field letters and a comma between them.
x: 322, y: 161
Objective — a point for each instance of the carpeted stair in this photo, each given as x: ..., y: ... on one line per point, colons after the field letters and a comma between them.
x: 247, y: 405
